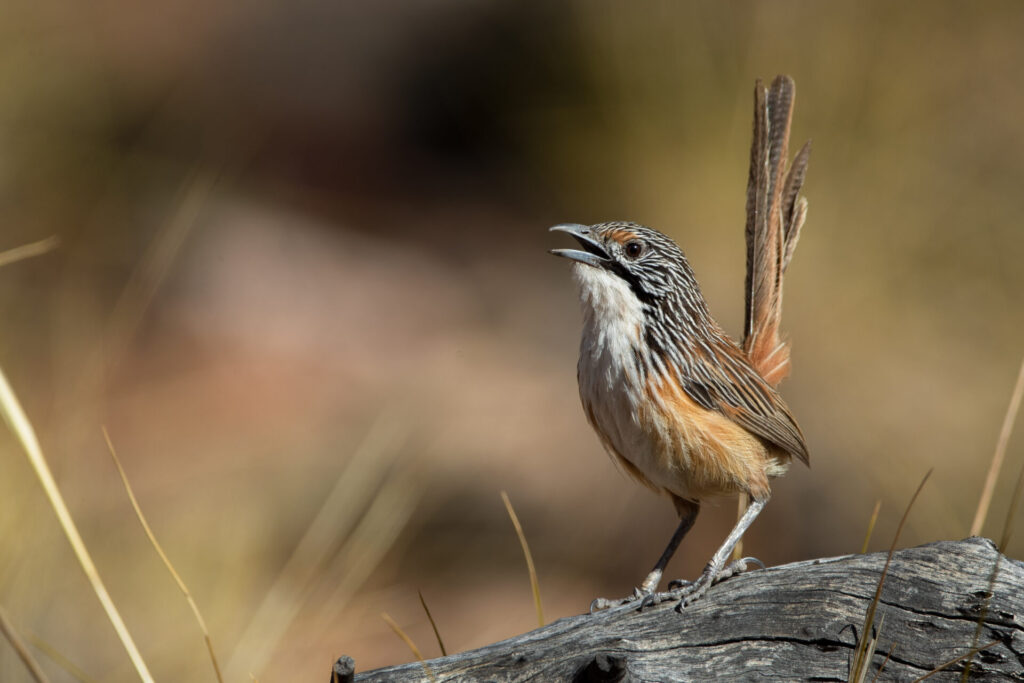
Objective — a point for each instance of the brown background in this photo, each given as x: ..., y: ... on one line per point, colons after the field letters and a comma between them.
x: 303, y: 247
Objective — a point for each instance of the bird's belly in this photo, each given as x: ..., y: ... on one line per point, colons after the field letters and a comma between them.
x: 668, y: 442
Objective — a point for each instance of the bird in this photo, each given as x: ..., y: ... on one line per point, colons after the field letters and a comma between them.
x: 682, y: 407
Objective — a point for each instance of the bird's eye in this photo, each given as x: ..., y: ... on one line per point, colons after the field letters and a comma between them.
x: 634, y: 249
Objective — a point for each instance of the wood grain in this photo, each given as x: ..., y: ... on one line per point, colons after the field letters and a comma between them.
x: 795, y: 622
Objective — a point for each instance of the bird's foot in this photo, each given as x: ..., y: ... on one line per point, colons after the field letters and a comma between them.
x: 694, y: 591
x: 646, y: 588
x: 600, y: 604
x: 738, y: 567
x: 675, y: 589
x: 688, y: 592
x: 683, y: 592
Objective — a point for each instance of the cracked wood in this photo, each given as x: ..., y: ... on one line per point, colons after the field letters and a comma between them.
x: 794, y: 622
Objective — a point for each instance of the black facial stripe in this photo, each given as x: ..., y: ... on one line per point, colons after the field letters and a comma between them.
x: 633, y: 281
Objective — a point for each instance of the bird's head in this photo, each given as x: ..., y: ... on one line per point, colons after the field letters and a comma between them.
x: 647, y: 261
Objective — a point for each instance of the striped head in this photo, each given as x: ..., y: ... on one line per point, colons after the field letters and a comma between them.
x: 630, y: 270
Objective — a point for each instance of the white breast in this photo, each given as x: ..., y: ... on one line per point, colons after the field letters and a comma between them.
x: 610, y: 384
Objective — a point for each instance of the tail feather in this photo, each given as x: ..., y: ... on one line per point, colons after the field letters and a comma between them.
x: 794, y: 207
x: 775, y: 215
x: 757, y: 206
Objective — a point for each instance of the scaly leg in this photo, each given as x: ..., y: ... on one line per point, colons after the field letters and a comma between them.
x: 716, y: 570
x: 687, y: 516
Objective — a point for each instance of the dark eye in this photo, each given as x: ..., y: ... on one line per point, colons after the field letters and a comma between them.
x: 634, y: 249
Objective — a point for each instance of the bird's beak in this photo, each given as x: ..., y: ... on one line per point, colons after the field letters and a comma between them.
x: 594, y: 254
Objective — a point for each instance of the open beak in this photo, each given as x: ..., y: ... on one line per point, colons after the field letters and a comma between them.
x: 593, y: 254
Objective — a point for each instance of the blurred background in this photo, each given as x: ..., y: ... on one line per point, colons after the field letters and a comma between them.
x: 302, y: 279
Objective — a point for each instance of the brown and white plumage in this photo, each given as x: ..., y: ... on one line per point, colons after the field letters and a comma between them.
x: 670, y: 394
x: 775, y: 215
x: 681, y: 406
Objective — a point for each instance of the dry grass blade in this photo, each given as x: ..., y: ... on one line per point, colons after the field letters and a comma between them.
x: 18, y: 644
x: 156, y: 263
x: 408, y: 641
x: 370, y: 541
x: 433, y: 624
x: 861, y: 661
x: 342, y: 508
x: 60, y: 660
x: 869, y: 654
x: 945, y: 665
x: 1004, y: 541
x: 1011, y: 513
x: 163, y: 556
x: 999, y: 455
x: 534, y: 583
x: 29, y: 250
x: 885, y: 661
x: 20, y: 425
x: 871, y: 525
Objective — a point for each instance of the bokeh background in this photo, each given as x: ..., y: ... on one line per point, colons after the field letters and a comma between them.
x: 303, y: 281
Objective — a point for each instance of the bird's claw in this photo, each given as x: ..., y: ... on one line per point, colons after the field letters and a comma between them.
x: 685, y: 592
x: 656, y: 599
x: 689, y: 592
x: 678, y: 590
x: 695, y: 590
x: 738, y: 567
x: 600, y: 604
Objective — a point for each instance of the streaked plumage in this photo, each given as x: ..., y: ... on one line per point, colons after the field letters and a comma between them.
x: 681, y: 406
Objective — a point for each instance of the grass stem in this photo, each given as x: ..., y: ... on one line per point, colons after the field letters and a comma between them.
x: 408, y: 641
x: 19, y: 423
x: 18, y: 644
x: 862, y: 659
x: 163, y: 556
x: 1000, y: 454
x: 871, y: 526
x: 534, y: 583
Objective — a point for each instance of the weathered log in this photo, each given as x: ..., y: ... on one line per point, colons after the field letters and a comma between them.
x: 794, y: 622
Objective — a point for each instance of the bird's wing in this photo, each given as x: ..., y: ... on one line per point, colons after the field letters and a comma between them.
x: 731, y: 387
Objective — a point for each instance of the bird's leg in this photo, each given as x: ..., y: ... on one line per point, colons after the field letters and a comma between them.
x: 650, y: 584
x: 716, y: 570
x: 688, y: 515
